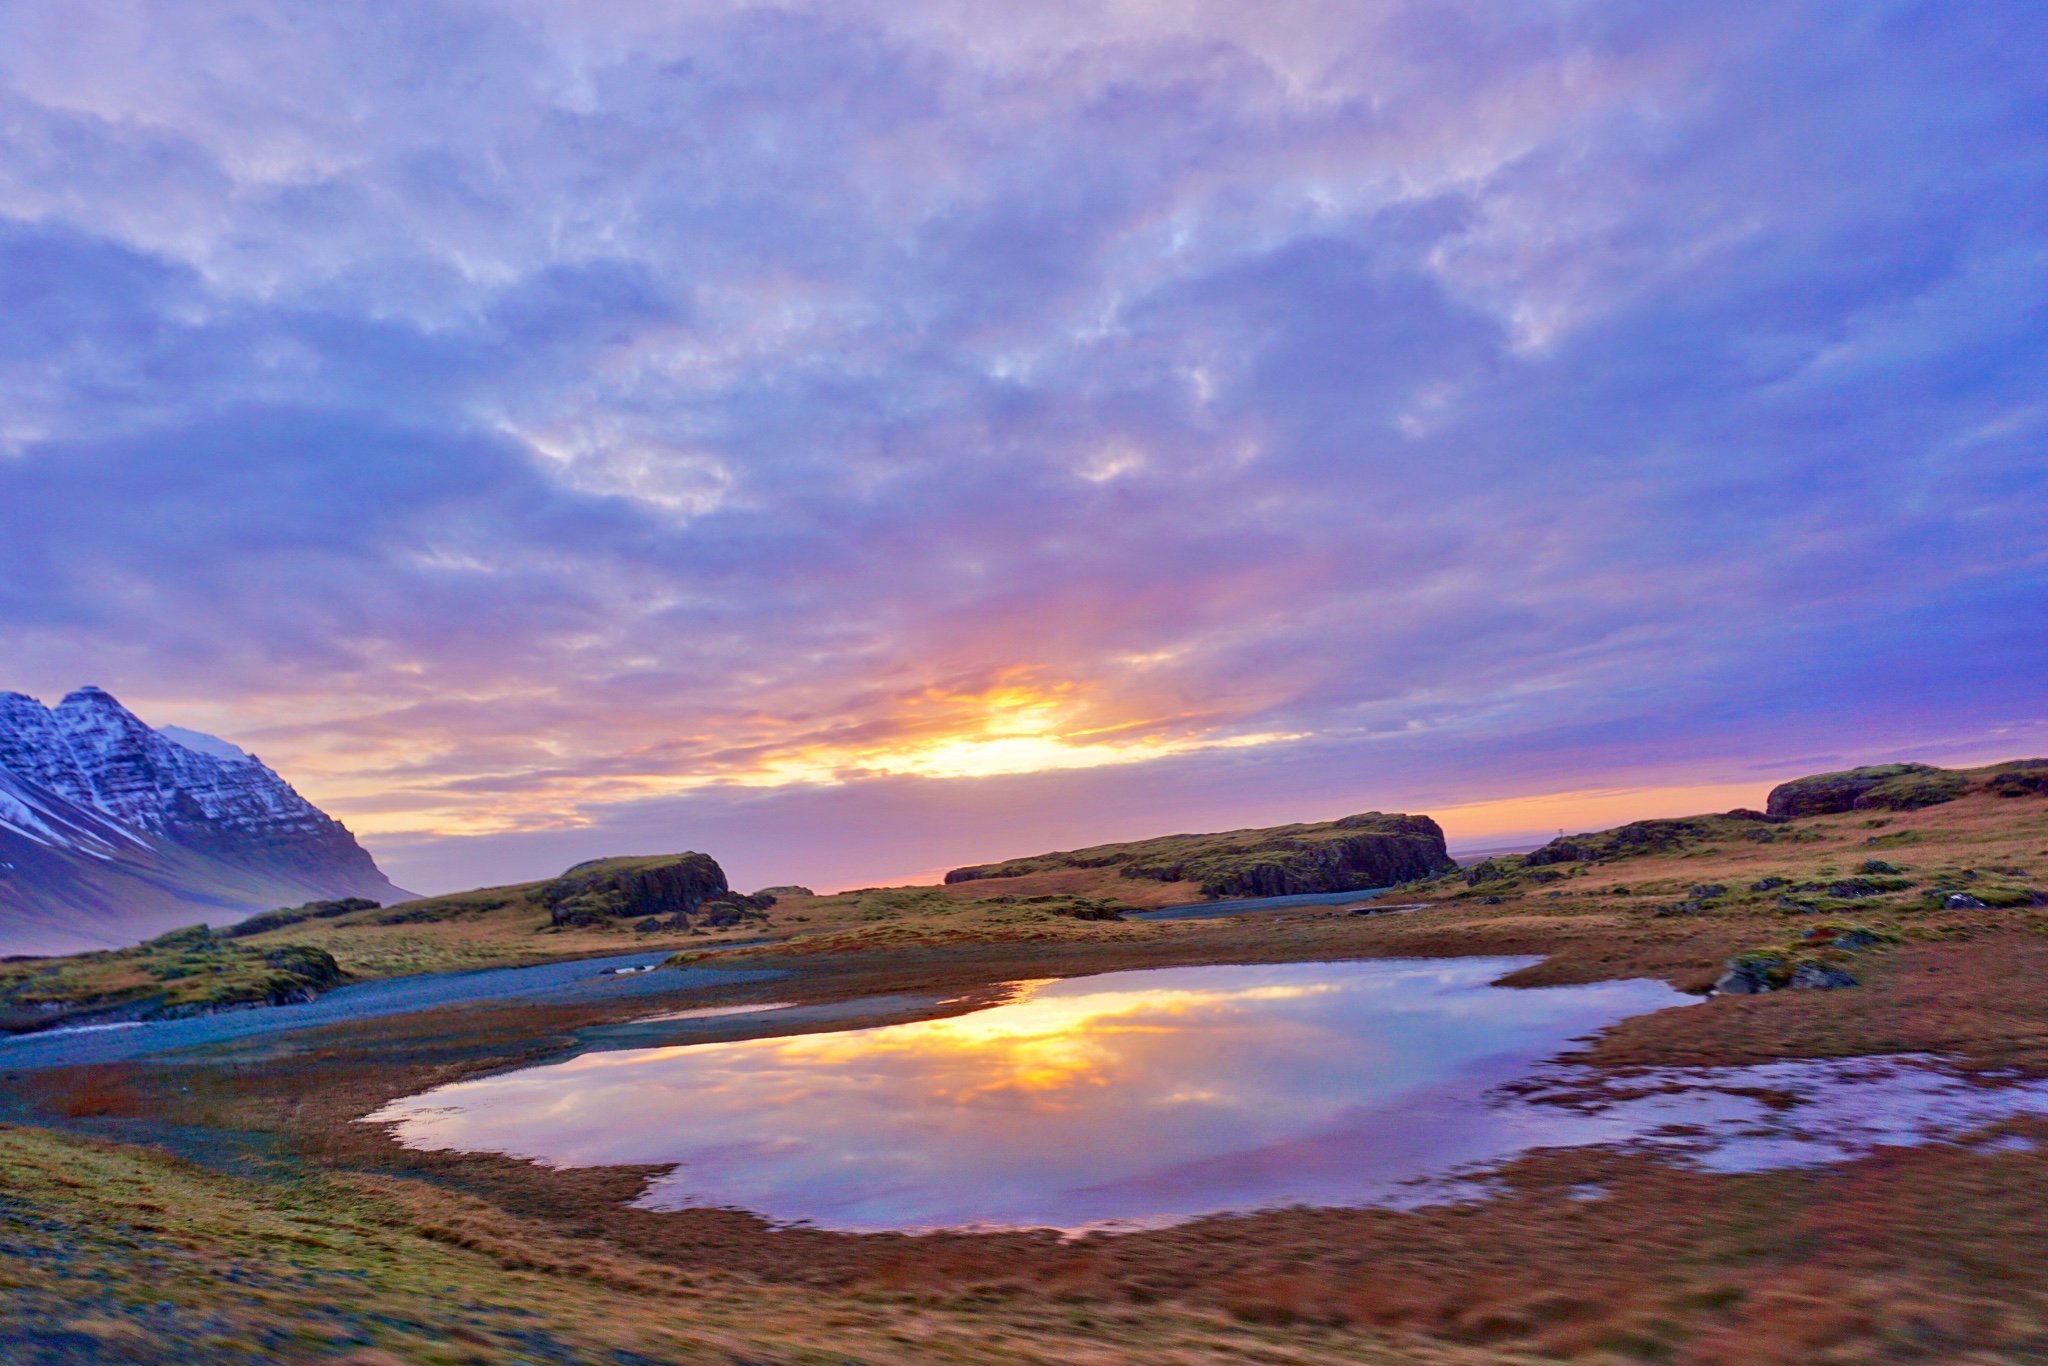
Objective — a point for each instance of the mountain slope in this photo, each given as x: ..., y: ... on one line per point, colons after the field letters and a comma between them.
x: 111, y: 832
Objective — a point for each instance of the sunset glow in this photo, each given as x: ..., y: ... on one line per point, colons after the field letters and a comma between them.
x: 870, y: 442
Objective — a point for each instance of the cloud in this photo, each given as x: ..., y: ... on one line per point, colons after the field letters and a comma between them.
x: 506, y: 419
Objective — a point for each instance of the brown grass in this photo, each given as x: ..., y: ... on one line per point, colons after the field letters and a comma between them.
x: 1938, y: 1253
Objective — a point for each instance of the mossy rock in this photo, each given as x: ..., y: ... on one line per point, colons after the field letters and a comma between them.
x: 1371, y: 849
x: 604, y: 890
x: 1886, y: 787
x: 1912, y: 791
x: 1652, y: 837
x: 1848, y: 937
x: 2005, y: 898
x: 1755, y: 972
x: 2020, y: 778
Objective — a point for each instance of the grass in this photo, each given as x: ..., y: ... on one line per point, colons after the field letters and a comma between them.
x: 178, y: 973
x: 120, y: 1253
x: 1930, y: 1253
x: 1990, y: 847
x: 1890, y: 875
x: 339, y: 1247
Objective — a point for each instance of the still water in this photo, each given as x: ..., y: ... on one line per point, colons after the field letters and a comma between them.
x: 1131, y: 1098
x: 1141, y: 1098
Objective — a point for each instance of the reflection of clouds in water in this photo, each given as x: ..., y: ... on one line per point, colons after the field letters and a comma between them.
x: 1795, y: 1113
x: 1140, y: 1098
x: 1057, y: 1107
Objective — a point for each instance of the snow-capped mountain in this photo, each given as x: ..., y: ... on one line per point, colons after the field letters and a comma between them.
x: 111, y: 831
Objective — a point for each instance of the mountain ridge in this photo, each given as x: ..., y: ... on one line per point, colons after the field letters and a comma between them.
x: 111, y: 831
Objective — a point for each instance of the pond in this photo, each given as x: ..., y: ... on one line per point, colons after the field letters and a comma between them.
x: 1132, y: 1098
x: 1137, y: 1099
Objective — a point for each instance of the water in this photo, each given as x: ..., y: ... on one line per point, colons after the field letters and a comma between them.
x: 1142, y: 1098
x: 588, y: 979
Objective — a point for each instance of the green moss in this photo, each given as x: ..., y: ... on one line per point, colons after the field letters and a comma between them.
x: 1694, y: 835
x: 1373, y: 849
x: 293, y: 915
x: 1912, y: 791
x: 1889, y: 787
x: 184, y: 972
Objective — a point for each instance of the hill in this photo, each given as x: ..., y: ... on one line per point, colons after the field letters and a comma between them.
x: 1896, y: 853
x: 1682, y: 894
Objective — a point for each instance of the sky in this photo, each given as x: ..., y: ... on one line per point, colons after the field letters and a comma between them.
x: 856, y: 439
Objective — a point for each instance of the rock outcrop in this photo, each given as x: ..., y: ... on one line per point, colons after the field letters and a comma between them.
x: 1646, y: 837
x: 2019, y: 778
x: 1374, y: 849
x: 109, y: 830
x: 1883, y: 787
x: 668, y: 885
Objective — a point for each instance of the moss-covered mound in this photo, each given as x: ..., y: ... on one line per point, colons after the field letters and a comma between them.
x: 619, y: 888
x: 187, y: 972
x: 1884, y: 787
x: 1648, y: 837
x: 2019, y: 778
x: 1374, y: 849
x: 294, y: 915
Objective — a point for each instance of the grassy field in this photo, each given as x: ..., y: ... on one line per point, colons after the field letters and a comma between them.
x: 1838, y: 889
x: 1778, y: 881
x: 308, y: 1236
x: 119, y: 1253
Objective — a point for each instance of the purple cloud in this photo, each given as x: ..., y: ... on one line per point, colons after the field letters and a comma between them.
x: 683, y: 424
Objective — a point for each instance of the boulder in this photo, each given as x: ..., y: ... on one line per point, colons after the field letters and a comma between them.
x: 1488, y: 870
x: 1751, y: 975
x: 307, y: 965
x: 609, y: 889
x: 723, y: 912
x: 1820, y: 977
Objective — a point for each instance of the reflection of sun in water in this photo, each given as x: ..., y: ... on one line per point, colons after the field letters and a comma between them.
x: 1139, y: 1096
x: 1037, y: 1047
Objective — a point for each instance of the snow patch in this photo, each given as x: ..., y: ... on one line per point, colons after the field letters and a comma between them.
x: 199, y: 742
